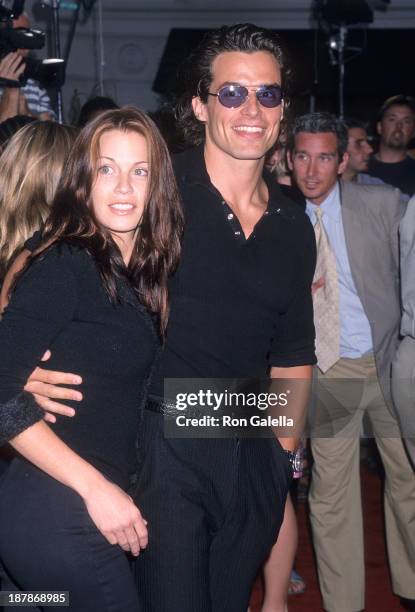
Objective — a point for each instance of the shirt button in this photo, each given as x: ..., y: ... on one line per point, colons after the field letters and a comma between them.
x: 237, y: 233
x: 230, y: 216
x: 267, y: 212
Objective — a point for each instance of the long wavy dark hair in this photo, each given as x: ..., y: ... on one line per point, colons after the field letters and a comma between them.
x: 157, y: 246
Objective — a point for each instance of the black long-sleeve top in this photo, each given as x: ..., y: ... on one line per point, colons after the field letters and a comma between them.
x: 60, y: 304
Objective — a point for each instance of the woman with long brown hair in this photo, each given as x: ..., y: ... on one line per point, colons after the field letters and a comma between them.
x: 95, y: 293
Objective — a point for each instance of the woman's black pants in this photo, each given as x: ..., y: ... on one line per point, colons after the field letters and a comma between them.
x: 48, y: 542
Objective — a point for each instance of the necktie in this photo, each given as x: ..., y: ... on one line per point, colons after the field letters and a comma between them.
x: 326, y: 300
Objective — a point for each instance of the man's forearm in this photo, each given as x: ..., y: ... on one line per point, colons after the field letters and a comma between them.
x: 297, y: 403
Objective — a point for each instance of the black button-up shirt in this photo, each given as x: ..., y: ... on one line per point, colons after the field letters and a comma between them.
x: 238, y: 306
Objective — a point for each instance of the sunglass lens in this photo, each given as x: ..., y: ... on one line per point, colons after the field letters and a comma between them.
x: 232, y: 96
x: 270, y: 96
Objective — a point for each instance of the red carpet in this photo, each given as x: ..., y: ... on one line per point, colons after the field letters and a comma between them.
x: 379, y: 596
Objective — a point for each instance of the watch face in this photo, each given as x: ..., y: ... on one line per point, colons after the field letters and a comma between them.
x: 298, y: 463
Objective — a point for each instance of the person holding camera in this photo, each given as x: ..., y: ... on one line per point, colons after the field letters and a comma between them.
x: 30, y: 99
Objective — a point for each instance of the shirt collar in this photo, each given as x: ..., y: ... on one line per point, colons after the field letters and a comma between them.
x: 330, y: 206
x: 190, y: 167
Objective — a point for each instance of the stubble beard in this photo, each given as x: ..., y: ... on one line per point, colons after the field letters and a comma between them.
x: 395, y: 145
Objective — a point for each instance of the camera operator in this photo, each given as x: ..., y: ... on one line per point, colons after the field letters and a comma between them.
x: 31, y: 99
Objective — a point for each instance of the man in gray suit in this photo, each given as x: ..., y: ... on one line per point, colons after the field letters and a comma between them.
x: 357, y: 314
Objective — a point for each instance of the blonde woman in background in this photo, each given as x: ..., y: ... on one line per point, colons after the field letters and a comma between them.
x: 30, y: 168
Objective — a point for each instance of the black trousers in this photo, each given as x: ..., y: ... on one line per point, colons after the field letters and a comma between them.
x: 49, y: 542
x: 214, y: 508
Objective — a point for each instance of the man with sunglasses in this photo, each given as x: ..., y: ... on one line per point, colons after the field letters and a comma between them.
x: 240, y: 307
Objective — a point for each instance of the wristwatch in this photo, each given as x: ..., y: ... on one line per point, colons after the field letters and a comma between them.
x: 294, y: 459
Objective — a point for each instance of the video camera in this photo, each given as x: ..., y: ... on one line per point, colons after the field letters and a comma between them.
x: 49, y: 72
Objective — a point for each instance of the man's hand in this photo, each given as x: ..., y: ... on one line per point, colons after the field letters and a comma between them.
x: 44, y: 385
x: 12, y: 66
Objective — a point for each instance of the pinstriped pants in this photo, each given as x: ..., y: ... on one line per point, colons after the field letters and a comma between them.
x: 214, y: 508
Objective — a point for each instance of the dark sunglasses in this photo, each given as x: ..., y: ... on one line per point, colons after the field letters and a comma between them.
x: 233, y: 96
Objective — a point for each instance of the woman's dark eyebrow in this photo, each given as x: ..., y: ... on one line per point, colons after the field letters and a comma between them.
x: 113, y: 160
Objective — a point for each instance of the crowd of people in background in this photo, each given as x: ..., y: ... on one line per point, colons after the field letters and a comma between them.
x: 354, y: 182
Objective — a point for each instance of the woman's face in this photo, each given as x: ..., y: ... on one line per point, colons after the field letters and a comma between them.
x: 119, y: 192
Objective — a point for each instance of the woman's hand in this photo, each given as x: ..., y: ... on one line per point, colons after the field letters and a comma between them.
x: 110, y: 508
x: 116, y: 516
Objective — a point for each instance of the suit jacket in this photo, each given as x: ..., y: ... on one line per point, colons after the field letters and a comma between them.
x: 371, y: 216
